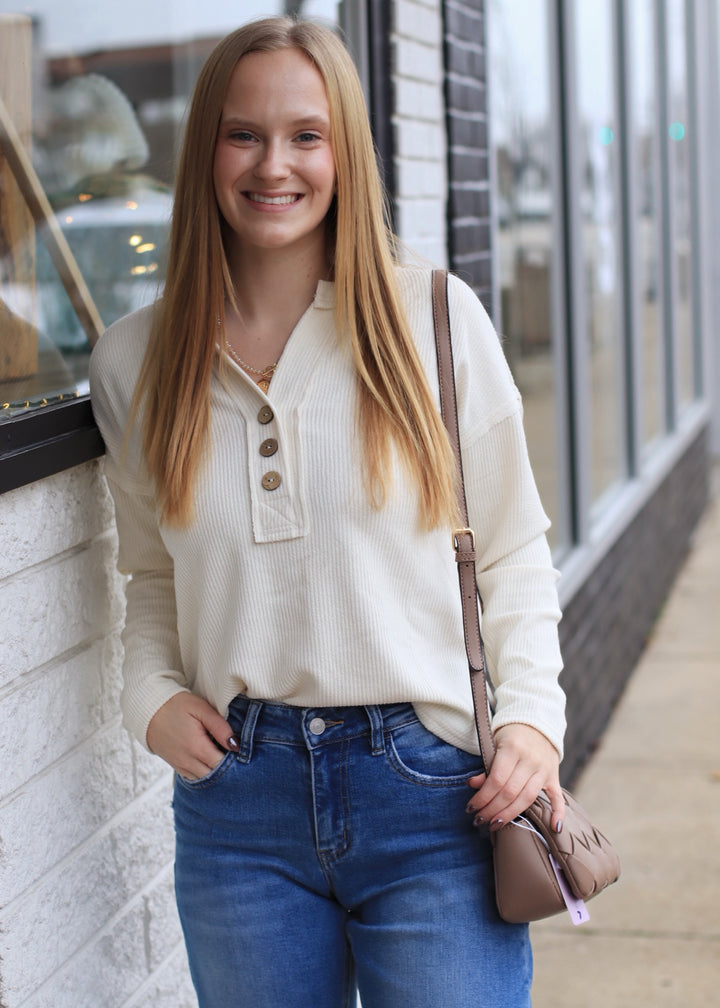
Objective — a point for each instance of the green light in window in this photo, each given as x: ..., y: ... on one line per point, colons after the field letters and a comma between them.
x: 606, y: 136
x: 676, y: 131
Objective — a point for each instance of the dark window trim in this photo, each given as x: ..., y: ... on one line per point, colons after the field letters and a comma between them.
x: 381, y: 95
x: 47, y: 441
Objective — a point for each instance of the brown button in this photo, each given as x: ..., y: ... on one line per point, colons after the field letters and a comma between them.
x: 265, y: 415
x: 268, y: 447
x: 271, y: 480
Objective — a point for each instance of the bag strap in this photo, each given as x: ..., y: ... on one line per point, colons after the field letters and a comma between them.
x: 464, y: 537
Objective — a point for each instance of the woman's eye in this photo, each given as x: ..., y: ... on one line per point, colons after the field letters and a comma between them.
x: 241, y: 136
x: 307, y: 137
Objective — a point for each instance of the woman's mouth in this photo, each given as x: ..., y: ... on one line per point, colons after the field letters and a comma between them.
x: 273, y: 200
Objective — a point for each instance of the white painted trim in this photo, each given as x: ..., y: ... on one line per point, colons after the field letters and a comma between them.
x: 631, y: 497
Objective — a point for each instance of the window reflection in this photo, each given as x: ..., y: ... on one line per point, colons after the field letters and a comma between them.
x: 600, y: 214
x: 647, y: 293
x: 522, y: 141
x: 677, y: 141
x: 95, y: 96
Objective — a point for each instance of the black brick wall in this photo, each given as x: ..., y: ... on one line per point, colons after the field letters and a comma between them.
x: 606, y: 624
x: 468, y: 164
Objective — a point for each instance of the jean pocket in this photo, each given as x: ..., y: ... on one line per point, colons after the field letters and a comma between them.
x: 212, y: 777
x: 421, y: 756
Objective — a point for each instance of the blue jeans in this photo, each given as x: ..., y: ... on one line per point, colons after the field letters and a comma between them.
x: 333, y: 852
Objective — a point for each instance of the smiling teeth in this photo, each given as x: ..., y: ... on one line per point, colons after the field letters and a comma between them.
x: 275, y: 200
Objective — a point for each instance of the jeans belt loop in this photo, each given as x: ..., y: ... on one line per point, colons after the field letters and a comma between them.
x: 248, y: 730
x: 377, y: 729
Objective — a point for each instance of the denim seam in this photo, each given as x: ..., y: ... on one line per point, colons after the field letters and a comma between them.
x: 228, y: 760
x: 424, y: 780
x: 329, y: 855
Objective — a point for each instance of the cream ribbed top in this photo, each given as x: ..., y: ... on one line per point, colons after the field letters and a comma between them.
x: 288, y: 586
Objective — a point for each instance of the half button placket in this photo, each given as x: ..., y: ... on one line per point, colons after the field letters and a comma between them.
x: 277, y: 508
x: 271, y: 479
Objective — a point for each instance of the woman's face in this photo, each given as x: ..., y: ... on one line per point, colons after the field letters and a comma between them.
x: 274, y: 172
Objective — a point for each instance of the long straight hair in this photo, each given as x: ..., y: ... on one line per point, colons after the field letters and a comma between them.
x: 395, y: 407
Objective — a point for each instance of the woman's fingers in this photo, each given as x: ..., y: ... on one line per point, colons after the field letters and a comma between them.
x: 557, y: 803
x: 525, y: 763
x: 190, y: 735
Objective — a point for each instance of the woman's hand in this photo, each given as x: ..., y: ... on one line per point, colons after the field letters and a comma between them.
x: 525, y: 763
x: 182, y: 733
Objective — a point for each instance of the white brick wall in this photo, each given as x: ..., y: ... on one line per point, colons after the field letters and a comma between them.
x: 87, y: 913
x: 419, y: 123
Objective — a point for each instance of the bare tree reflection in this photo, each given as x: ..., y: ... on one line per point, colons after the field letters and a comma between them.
x: 293, y: 8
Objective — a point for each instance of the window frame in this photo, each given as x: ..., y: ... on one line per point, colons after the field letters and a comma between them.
x: 46, y: 441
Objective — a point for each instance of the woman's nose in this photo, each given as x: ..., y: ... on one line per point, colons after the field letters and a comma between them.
x: 273, y: 162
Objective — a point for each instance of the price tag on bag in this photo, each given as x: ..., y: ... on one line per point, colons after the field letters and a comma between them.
x: 576, y: 907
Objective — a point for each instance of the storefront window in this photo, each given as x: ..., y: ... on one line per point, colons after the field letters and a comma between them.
x: 92, y: 98
x: 521, y: 113
x: 678, y: 143
x: 600, y: 212
x: 647, y: 292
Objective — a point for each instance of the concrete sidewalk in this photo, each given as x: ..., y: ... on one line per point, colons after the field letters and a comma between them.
x: 653, y: 940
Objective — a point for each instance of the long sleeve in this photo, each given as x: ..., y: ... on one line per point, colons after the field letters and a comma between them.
x: 152, y: 667
x: 516, y: 578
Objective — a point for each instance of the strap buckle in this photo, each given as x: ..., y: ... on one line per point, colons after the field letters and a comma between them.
x: 456, y: 538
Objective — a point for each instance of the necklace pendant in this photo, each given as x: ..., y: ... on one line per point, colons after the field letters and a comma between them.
x: 264, y: 384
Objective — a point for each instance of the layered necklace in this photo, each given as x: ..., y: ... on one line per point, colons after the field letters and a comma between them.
x: 262, y: 376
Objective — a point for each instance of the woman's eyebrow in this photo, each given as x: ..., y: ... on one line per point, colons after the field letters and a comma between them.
x: 305, y: 120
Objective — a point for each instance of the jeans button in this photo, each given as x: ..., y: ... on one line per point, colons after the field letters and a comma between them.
x: 317, y: 726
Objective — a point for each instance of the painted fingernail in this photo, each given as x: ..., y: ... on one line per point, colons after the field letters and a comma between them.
x: 469, y: 809
x: 232, y: 743
x: 559, y: 826
x: 478, y: 821
x: 496, y: 824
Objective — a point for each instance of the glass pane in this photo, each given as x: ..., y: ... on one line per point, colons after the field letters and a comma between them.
x: 678, y: 141
x: 92, y: 103
x: 522, y: 149
x: 600, y: 215
x: 647, y: 292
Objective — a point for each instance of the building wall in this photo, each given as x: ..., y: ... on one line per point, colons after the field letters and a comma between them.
x: 607, y: 621
x: 419, y: 128
x: 469, y: 241
x: 87, y: 914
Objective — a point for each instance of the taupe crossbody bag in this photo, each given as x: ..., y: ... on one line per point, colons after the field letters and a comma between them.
x: 538, y: 873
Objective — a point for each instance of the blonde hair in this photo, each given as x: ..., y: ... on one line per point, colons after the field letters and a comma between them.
x: 395, y: 405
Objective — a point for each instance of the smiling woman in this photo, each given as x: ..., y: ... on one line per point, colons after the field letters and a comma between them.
x: 285, y: 493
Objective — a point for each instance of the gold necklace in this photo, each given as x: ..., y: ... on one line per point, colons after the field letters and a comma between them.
x: 264, y: 374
